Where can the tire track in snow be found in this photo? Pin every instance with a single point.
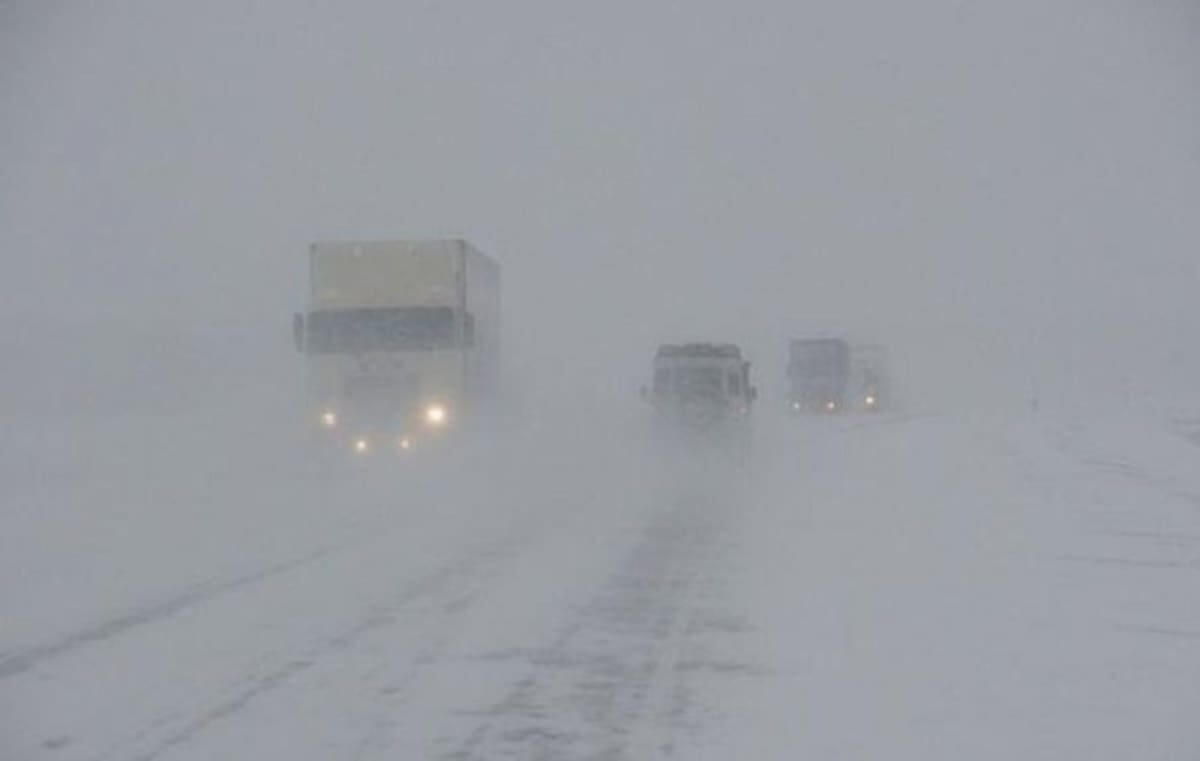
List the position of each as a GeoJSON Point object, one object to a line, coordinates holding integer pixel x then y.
{"type": "Point", "coordinates": [375, 741]}
{"type": "Point", "coordinates": [167, 734]}
{"type": "Point", "coordinates": [25, 660]}
{"type": "Point", "coordinates": [607, 685]}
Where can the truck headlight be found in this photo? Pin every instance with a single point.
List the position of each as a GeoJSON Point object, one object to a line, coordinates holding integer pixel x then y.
{"type": "Point", "coordinates": [870, 400]}
{"type": "Point", "coordinates": [404, 442]}
{"type": "Point", "coordinates": [831, 406]}
{"type": "Point", "coordinates": [361, 445]}
{"type": "Point", "coordinates": [329, 418]}
{"type": "Point", "coordinates": [435, 415]}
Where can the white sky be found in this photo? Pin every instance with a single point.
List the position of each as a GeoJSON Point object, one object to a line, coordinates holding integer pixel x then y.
{"type": "Point", "coordinates": [1001, 190]}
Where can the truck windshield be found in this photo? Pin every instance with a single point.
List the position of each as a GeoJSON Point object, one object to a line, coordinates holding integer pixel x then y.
{"type": "Point", "coordinates": [698, 381]}
{"type": "Point", "coordinates": [353, 331]}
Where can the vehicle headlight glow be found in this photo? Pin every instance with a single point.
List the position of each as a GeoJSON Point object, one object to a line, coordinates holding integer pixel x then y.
{"type": "Point", "coordinates": [405, 442]}
{"type": "Point", "coordinates": [795, 405]}
{"type": "Point", "coordinates": [329, 418]}
{"type": "Point", "coordinates": [870, 400]}
{"type": "Point", "coordinates": [361, 445]}
{"type": "Point", "coordinates": [435, 415]}
{"type": "Point", "coordinates": [831, 406]}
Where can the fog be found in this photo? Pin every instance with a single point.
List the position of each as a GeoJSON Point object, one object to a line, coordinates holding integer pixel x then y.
{"type": "Point", "coordinates": [1003, 194]}
{"type": "Point", "coordinates": [998, 192]}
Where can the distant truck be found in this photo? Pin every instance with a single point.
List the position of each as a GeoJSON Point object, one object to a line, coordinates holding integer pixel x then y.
{"type": "Point", "coordinates": [701, 386]}
{"type": "Point", "coordinates": [402, 340]}
{"type": "Point", "coordinates": [870, 382]}
{"type": "Point", "coordinates": [818, 373]}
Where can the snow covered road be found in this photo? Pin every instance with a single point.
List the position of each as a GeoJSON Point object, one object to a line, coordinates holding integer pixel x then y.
{"type": "Point", "coordinates": [919, 587]}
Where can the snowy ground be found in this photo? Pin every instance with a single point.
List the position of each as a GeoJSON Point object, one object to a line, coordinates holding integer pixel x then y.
{"type": "Point", "coordinates": [902, 587]}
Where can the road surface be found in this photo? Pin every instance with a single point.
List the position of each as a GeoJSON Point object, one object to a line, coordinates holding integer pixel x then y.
{"type": "Point", "coordinates": [924, 587]}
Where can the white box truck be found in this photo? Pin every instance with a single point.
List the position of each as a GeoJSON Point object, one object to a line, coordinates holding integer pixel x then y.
{"type": "Point", "coordinates": [401, 340]}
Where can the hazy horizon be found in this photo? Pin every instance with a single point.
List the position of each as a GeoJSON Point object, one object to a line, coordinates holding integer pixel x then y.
{"type": "Point", "coordinates": [1005, 194]}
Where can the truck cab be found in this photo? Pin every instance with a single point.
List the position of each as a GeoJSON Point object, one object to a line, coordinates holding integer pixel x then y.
{"type": "Point", "coordinates": [400, 340]}
{"type": "Point", "coordinates": [701, 386]}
